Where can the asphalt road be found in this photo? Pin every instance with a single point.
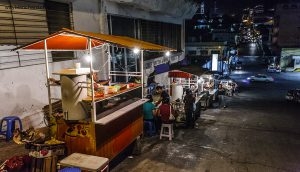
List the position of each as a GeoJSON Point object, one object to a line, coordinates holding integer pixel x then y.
{"type": "Point", "coordinates": [258, 132]}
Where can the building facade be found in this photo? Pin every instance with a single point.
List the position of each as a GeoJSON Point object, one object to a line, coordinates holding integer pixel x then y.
{"type": "Point", "coordinates": [286, 34]}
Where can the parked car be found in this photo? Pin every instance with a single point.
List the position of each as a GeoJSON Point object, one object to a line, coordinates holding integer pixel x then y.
{"type": "Point", "coordinates": [261, 78]}
{"type": "Point", "coordinates": [273, 68]}
{"type": "Point", "coordinates": [293, 95]}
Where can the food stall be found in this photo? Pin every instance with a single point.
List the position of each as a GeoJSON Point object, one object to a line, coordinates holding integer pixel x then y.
{"type": "Point", "coordinates": [179, 82]}
{"type": "Point", "coordinates": [105, 122]}
{"type": "Point", "coordinates": [208, 89]}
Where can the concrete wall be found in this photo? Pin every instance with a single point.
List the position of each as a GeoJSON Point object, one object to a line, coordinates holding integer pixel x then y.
{"type": "Point", "coordinates": [86, 15]}
{"type": "Point", "coordinates": [23, 91]}
{"type": "Point", "coordinates": [170, 11]}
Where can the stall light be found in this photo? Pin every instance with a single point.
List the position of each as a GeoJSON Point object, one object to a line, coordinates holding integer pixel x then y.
{"type": "Point", "coordinates": [87, 57]}
{"type": "Point", "coordinates": [136, 50]}
{"type": "Point", "coordinates": [200, 80]}
{"type": "Point", "coordinates": [167, 53]}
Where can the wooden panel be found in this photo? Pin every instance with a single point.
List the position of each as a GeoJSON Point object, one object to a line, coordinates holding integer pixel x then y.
{"type": "Point", "coordinates": [137, 127]}
{"type": "Point", "coordinates": [122, 140]}
{"type": "Point", "coordinates": [103, 140]}
{"type": "Point", "coordinates": [75, 141]}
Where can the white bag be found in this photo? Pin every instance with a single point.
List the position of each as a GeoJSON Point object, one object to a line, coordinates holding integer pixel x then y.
{"type": "Point", "coordinates": [171, 117]}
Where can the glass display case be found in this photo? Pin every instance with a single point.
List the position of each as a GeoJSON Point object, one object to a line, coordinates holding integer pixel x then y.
{"type": "Point", "coordinates": [108, 105]}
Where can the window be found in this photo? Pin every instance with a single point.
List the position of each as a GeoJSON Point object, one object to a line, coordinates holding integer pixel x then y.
{"type": "Point", "coordinates": [203, 52]}
{"type": "Point", "coordinates": [58, 17]}
{"type": "Point", "coordinates": [166, 34]}
{"type": "Point", "coordinates": [215, 52]}
{"type": "Point", "coordinates": [127, 28]}
{"type": "Point", "coordinates": [22, 21]}
{"type": "Point", "coordinates": [192, 52]}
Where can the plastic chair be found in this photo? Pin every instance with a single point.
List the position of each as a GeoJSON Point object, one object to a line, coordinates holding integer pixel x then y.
{"type": "Point", "coordinates": [10, 126]}
{"type": "Point", "coordinates": [150, 128]}
{"type": "Point", "coordinates": [169, 133]}
{"type": "Point", "coordinates": [70, 169]}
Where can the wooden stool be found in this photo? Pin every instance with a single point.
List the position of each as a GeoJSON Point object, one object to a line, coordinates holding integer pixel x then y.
{"type": "Point", "coordinates": [85, 162]}
{"type": "Point", "coordinates": [169, 133]}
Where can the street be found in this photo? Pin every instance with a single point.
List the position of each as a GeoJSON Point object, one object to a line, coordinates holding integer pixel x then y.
{"type": "Point", "coordinates": [258, 132]}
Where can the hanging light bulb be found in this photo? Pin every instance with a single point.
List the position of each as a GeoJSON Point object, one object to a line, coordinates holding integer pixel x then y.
{"type": "Point", "coordinates": [87, 57]}
{"type": "Point", "coordinates": [168, 53]}
{"type": "Point", "coordinates": [136, 50]}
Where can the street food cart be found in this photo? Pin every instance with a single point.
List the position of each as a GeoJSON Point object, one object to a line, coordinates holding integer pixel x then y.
{"type": "Point", "coordinates": [107, 121]}
{"type": "Point", "coordinates": [207, 89]}
{"type": "Point", "coordinates": [179, 82]}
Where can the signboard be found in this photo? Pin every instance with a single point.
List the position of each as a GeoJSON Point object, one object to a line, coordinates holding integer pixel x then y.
{"type": "Point", "coordinates": [214, 62]}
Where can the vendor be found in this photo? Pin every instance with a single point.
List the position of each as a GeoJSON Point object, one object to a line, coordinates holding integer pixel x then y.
{"type": "Point", "coordinates": [151, 79]}
{"type": "Point", "coordinates": [97, 82]}
{"type": "Point", "coordinates": [163, 94]}
{"type": "Point", "coordinates": [97, 85]}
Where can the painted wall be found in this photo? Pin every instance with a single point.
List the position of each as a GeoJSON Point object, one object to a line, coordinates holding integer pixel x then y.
{"type": "Point", "coordinates": [23, 90]}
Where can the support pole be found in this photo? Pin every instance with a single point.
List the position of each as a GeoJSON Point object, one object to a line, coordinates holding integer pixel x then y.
{"type": "Point", "coordinates": [142, 71]}
{"type": "Point", "coordinates": [48, 76]}
{"type": "Point", "coordinates": [109, 58]}
{"type": "Point", "coordinates": [93, 110]}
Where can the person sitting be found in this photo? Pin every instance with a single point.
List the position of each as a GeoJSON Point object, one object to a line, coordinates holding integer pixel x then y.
{"type": "Point", "coordinates": [149, 111]}
{"type": "Point", "coordinates": [165, 110]}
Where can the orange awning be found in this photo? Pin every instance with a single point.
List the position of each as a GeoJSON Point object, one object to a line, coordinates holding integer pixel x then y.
{"type": "Point", "coordinates": [70, 40]}
{"type": "Point", "coordinates": [179, 74]}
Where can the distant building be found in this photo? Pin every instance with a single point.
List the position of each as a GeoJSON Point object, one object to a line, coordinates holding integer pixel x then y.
{"type": "Point", "coordinates": [286, 31]}
{"type": "Point", "coordinates": [286, 35]}
{"type": "Point", "coordinates": [199, 50]}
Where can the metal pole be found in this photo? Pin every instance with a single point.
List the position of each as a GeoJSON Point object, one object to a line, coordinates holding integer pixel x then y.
{"type": "Point", "coordinates": [109, 63]}
{"type": "Point", "coordinates": [142, 71]}
{"type": "Point", "coordinates": [125, 65]}
{"type": "Point", "coordinates": [93, 110]}
{"type": "Point", "coordinates": [48, 76]}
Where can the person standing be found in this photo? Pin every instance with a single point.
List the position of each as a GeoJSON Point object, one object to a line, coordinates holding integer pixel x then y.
{"type": "Point", "coordinates": [189, 100]}
{"type": "Point", "coordinates": [221, 96]}
{"type": "Point", "coordinates": [163, 94]}
{"type": "Point", "coordinates": [151, 84]}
